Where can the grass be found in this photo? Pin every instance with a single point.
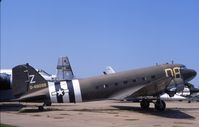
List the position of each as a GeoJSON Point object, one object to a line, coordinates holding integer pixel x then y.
{"type": "Point", "coordinates": [6, 125]}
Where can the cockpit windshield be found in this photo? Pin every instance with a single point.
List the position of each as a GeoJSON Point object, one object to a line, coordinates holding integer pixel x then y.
{"type": "Point", "coordinates": [183, 67]}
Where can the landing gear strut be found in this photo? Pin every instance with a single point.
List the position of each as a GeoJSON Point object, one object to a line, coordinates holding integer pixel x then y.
{"type": "Point", "coordinates": [41, 108]}
{"type": "Point", "coordinates": [145, 104]}
{"type": "Point", "coordinates": [160, 105]}
{"type": "Point", "coordinates": [47, 103]}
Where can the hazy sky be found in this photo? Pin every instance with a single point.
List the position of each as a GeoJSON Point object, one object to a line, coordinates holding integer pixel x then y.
{"type": "Point", "coordinates": [125, 34]}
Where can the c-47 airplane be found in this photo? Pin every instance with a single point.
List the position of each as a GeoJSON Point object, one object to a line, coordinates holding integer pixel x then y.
{"type": "Point", "coordinates": [29, 86]}
{"type": "Point", "coordinates": [190, 93]}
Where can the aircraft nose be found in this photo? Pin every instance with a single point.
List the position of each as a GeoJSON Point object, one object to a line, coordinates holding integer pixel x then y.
{"type": "Point", "coordinates": [189, 74]}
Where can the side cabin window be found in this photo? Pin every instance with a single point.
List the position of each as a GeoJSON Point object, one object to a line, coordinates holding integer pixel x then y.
{"type": "Point", "coordinates": [144, 78]}
{"type": "Point", "coordinates": [134, 80]}
{"type": "Point", "coordinates": [105, 86]}
{"type": "Point", "coordinates": [153, 77]}
{"type": "Point", "coordinates": [102, 86]}
{"type": "Point", "coordinates": [125, 82]}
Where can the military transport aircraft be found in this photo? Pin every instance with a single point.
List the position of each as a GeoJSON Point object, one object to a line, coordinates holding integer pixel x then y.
{"type": "Point", "coordinates": [190, 93]}
{"type": "Point", "coordinates": [29, 86]}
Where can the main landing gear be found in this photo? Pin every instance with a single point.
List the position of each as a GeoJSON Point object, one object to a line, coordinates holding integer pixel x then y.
{"type": "Point", "coordinates": [160, 105]}
{"type": "Point", "coordinates": [145, 104]}
{"type": "Point", "coordinates": [41, 108]}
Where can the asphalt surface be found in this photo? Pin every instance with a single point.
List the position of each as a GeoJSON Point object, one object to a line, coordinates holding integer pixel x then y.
{"type": "Point", "coordinates": [100, 114]}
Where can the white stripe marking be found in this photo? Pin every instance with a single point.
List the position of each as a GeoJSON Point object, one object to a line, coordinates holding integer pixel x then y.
{"type": "Point", "coordinates": [64, 86]}
{"type": "Point", "coordinates": [52, 92]}
{"type": "Point", "coordinates": [77, 91]}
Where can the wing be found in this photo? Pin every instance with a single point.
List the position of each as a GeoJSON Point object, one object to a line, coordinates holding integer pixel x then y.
{"type": "Point", "coordinates": [152, 88]}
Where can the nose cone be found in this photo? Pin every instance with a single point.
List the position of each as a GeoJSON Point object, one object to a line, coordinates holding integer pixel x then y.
{"type": "Point", "coordinates": [188, 74]}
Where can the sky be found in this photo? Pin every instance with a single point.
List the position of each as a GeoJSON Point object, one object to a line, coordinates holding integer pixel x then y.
{"type": "Point", "coordinates": [124, 34]}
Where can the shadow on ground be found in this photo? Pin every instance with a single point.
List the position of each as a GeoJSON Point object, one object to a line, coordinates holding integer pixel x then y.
{"type": "Point", "coordinates": [28, 108]}
{"type": "Point", "coordinates": [36, 110]}
{"type": "Point", "coordinates": [11, 107]}
{"type": "Point", "coordinates": [168, 113]}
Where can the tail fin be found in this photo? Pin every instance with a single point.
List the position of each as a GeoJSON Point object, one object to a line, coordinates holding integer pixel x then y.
{"type": "Point", "coordinates": [26, 80]}
{"type": "Point", "coordinates": [109, 70]}
{"type": "Point", "coordinates": [64, 70]}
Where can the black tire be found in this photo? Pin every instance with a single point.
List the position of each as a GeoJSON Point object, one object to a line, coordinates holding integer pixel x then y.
{"type": "Point", "coordinates": [144, 104]}
{"type": "Point", "coordinates": [48, 104]}
{"type": "Point", "coordinates": [41, 108]}
{"type": "Point", "coordinates": [160, 105]}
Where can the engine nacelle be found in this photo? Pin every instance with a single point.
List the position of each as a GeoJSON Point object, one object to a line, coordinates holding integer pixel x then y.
{"type": "Point", "coordinates": [5, 81]}
{"type": "Point", "coordinates": [176, 85]}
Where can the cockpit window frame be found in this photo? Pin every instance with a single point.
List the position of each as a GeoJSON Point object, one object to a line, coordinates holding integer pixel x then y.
{"type": "Point", "coordinates": [183, 67]}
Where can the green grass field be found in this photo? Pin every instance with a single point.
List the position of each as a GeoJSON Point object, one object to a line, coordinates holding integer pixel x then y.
{"type": "Point", "coordinates": [6, 125]}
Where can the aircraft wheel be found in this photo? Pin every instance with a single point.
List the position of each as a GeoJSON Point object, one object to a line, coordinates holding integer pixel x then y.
{"type": "Point", "coordinates": [160, 105]}
{"type": "Point", "coordinates": [48, 104]}
{"type": "Point", "coordinates": [41, 108]}
{"type": "Point", "coordinates": [144, 104]}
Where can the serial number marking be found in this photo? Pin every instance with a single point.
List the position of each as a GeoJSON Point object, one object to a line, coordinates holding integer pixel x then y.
{"type": "Point", "coordinates": [38, 86]}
